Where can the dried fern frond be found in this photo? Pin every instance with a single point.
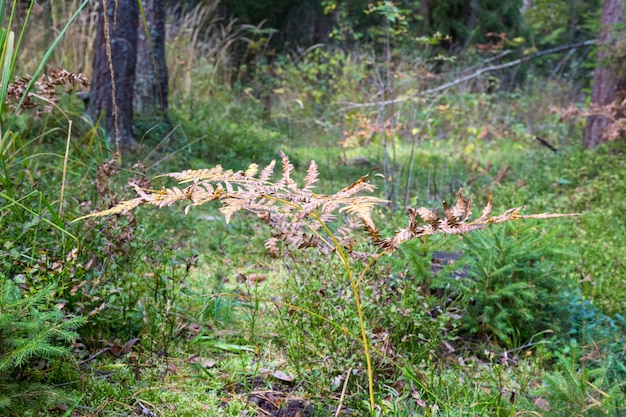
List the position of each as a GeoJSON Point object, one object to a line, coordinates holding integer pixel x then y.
{"type": "Point", "coordinates": [122, 208]}
{"type": "Point", "coordinates": [312, 175]}
{"type": "Point", "coordinates": [297, 216]}
{"type": "Point", "coordinates": [455, 222]}
{"type": "Point", "coordinates": [267, 172]}
{"type": "Point", "coordinates": [613, 113]}
{"type": "Point", "coordinates": [45, 91]}
{"type": "Point", "coordinates": [285, 180]}
{"type": "Point", "coordinates": [361, 207]}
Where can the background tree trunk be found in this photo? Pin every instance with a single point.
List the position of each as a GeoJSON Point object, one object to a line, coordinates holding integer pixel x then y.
{"type": "Point", "coordinates": [115, 100]}
{"type": "Point", "coordinates": [608, 74]}
{"type": "Point", "coordinates": [151, 81]}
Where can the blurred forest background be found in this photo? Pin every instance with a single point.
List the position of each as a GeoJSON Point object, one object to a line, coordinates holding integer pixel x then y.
{"type": "Point", "coordinates": [171, 313]}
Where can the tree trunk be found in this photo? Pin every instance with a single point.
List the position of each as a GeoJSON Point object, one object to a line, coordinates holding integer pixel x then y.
{"type": "Point", "coordinates": [151, 82]}
{"type": "Point", "coordinates": [115, 58]}
{"type": "Point", "coordinates": [607, 76]}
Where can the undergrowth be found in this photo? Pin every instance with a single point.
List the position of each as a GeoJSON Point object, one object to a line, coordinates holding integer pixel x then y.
{"type": "Point", "coordinates": [187, 315]}
{"type": "Point", "coordinates": [300, 218]}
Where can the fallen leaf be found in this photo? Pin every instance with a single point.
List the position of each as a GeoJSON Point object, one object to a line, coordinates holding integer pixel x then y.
{"type": "Point", "coordinates": [280, 375]}
{"type": "Point", "coordinates": [204, 362]}
{"type": "Point", "coordinates": [256, 278]}
{"type": "Point", "coordinates": [542, 404]}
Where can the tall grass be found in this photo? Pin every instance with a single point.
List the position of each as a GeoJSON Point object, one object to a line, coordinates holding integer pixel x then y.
{"type": "Point", "coordinates": [10, 51]}
{"type": "Point", "coordinates": [201, 50]}
{"type": "Point", "coordinates": [33, 327]}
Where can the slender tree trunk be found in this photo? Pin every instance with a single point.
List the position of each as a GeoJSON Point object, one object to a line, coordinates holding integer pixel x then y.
{"type": "Point", "coordinates": [607, 76]}
{"type": "Point", "coordinates": [115, 58]}
{"type": "Point", "coordinates": [151, 81]}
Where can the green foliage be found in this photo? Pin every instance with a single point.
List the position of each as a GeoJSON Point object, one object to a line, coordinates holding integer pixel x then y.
{"type": "Point", "coordinates": [355, 23]}
{"type": "Point", "coordinates": [593, 183]}
{"type": "Point", "coordinates": [574, 388]}
{"type": "Point", "coordinates": [604, 336]}
{"type": "Point", "coordinates": [274, 13]}
{"type": "Point", "coordinates": [468, 22]}
{"type": "Point", "coordinates": [112, 389]}
{"type": "Point", "coordinates": [558, 22]}
{"type": "Point", "coordinates": [320, 73]}
{"type": "Point", "coordinates": [300, 86]}
{"type": "Point", "coordinates": [149, 303]}
{"type": "Point", "coordinates": [413, 316]}
{"type": "Point", "coordinates": [513, 288]}
{"type": "Point", "coordinates": [31, 327]}
{"type": "Point", "coordinates": [33, 323]}
{"type": "Point", "coordinates": [228, 133]}
{"type": "Point", "coordinates": [318, 308]}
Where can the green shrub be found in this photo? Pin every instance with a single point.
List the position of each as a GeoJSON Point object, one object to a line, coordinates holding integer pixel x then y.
{"type": "Point", "coordinates": [229, 134]}
{"type": "Point", "coordinates": [514, 285]}
{"type": "Point", "coordinates": [574, 388]}
{"type": "Point", "coordinates": [30, 328]}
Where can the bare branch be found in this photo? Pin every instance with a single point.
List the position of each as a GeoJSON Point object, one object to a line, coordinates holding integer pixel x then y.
{"type": "Point", "coordinates": [471, 76]}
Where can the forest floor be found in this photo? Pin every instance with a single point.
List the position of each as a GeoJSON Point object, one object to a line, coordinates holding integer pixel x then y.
{"type": "Point", "coordinates": [189, 315]}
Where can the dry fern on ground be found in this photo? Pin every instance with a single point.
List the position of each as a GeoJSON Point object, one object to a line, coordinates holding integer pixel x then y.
{"type": "Point", "coordinates": [298, 216]}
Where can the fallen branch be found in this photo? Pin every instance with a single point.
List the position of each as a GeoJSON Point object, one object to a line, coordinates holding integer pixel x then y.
{"type": "Point", "coordinates": [546, 144]}
{"type": "Point", "coordinates": [471, 76]}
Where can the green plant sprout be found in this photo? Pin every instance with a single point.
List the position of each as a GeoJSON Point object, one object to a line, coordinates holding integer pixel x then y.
{"type": "Point", "coordinates": [300, 218]}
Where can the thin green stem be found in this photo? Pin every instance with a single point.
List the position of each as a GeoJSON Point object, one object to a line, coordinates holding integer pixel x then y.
{"type": "Point", "coordinates": [359, 310]}
{"type": "Point", "coordinates": [355, 290]}
{"type": "Point", "coordinates": [371, 262]}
